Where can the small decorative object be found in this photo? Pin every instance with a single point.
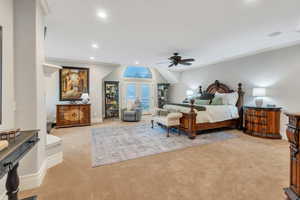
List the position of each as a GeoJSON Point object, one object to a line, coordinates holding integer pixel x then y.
{"type": "Point", "coordinates": [259, 93]}
{"type": "Point", "coordinates": [189, 93]}
{"type": "Point", "coordinates": [9, 134]}
{"type": "Point", "coordinates": [271, 105]}
{"type": "Point", "coordinates": [73, 83]}
{"type": "Point", "coordinates": [85, 98]}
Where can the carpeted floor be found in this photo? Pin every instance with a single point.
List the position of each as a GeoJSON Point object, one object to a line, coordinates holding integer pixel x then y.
{"type": "Point", "coordinates": [241, 168]}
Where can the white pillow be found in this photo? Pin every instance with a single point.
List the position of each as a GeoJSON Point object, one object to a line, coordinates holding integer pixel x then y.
{"type": "Point", "coordinates": [129, 105]}
{"type": "Point", "coordinates": [228, 98]}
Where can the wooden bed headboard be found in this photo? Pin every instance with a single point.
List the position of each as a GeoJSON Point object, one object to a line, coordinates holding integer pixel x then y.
{"type": "Point", "coordinates": [222, 88]}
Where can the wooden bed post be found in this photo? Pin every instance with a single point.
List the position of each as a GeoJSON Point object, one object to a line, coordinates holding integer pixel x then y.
{"type": "Point", "coordinates": [240, 105]}
{"type": "Point", "coordinates": [192, 129]}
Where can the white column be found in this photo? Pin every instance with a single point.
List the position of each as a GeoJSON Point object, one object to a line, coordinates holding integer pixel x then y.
{"type": "Point", "coordinates": [30, 81]}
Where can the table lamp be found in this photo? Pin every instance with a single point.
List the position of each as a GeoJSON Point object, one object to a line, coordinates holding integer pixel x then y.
{"type": "Point", "coordinates": [85, 98]}
{"type": "Point", "coordinates": [259, 93]}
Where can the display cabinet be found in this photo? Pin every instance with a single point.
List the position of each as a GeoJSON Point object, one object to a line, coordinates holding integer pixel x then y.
{"type": "Point", "coordinates": [162, 94]}
{"type": "Point", "coordinates": [111, 90]}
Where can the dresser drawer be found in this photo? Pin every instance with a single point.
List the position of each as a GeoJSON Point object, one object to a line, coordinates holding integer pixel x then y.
{"type": "Point", "coordinates": [264, 122]}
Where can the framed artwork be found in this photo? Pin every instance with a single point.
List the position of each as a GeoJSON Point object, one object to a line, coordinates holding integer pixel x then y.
{"type": "Point", "coordinates": [73, 81]}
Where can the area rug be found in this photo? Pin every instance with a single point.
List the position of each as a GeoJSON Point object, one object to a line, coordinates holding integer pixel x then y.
{"type": "Point", "coordinates": [115, 144]}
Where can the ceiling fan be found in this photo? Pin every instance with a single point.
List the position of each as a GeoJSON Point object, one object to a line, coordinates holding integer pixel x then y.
{"type": "Point", "coordinates": [176, 59]}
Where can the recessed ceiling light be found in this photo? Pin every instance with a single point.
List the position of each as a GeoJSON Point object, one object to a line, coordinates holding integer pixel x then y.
{"type": "Point", "coordinates": [274, 34]}
{"type": "Point", "coordinates": [92, 58]}
{"type": "Point", "coordinates": [95, 46]}
{"type": "Point", "coordinates": [102, 14]}
{"type": "Point", "coordinates": [250, 1]}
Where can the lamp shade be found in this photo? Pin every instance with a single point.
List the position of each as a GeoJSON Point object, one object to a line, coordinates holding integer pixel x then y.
{"type": "Point", "coordinates": [259, 92]}
{"type": "Point", "coordinates": [189, 93]}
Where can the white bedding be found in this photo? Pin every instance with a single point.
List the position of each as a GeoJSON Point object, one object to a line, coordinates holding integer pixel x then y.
{"type": "Point", "coordinates": [217, 113]}
{"type": "Point", "coordinates": [213, 113]}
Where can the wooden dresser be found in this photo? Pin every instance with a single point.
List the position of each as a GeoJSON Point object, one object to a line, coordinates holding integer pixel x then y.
{"type": "Point", "coordinates": [262, 121]}
{"type": "Point", "coordinates": [292, 132]}
{"type": "Point", "coordinates": [68, 115]}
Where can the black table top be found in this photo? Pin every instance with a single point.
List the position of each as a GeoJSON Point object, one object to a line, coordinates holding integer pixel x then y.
{"type": "Point", "coordinates": [263, 108]}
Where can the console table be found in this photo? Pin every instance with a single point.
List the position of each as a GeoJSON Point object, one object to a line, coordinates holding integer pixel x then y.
{"type": "Point", "coordinates": [9, 161]}
{"type": "Point", "coordinates": [68, 115]}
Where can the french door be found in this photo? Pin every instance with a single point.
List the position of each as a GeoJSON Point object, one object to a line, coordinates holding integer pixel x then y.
{"type": "Point", "coordinates": [142, 91]}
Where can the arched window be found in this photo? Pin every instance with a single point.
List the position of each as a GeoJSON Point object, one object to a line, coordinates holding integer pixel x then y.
{"type": "Point", "coordinates": [137, 72]}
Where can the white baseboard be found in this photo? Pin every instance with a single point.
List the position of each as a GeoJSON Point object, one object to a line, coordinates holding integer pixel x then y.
{"type": "Point", "coordinates": [31, 181]}
{"type": "Point", "coordinates": [97, 120]}
{"type": "Point", "coordinates": [4, 196]}
{"type": "Point", "coordinates": [54, 159]}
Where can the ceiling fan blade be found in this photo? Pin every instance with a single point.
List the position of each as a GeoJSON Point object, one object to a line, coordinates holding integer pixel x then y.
{"type": "Point", "coordinates": [188, 60]}
{"type": "Point", "coordinates": [185, 63]}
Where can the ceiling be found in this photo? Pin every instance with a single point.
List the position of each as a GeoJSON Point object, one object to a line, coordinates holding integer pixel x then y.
{"type": "Point", "coordinates": [149, 31]}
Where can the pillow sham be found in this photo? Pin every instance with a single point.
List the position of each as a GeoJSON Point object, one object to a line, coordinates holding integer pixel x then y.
{"type": "Point", "coordinates": [163, 113]}
{"type": "Point", "coordinates": [217, 101]}
{"type": "Point", "coordinates": [228, 98]}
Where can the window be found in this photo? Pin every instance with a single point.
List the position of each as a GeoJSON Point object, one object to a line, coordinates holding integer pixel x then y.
{"type": "Point", "coordinates": [137, 72]}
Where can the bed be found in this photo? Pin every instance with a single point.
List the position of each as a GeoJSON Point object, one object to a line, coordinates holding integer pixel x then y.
{"type": "Point", "coordinates": [211, 116]}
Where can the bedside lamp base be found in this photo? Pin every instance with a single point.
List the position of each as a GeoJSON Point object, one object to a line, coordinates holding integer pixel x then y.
{"type": "Point", "coordinates": [259, 102]}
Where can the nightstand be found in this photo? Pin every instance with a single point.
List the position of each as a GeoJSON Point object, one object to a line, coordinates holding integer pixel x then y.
{"type": "Point", "coordinates": [262, 121]}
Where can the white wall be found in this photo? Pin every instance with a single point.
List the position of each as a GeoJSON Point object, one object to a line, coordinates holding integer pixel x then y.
{"type": "Point", "coordinates": [277, 70]}
{"type": "Point", "coordinates": [97, 73]}
{"type": "Point", "coordinates": [8, 100]}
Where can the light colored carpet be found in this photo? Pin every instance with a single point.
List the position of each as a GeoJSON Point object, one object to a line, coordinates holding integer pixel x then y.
{"type": "Point", "coordinates": [242, 168]}
{"type": "Point", "coordinates": [115, 144]}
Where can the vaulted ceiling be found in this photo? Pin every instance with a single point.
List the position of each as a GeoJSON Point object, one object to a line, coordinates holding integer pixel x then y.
{"type": "Point", "coordinates": [146, 32]}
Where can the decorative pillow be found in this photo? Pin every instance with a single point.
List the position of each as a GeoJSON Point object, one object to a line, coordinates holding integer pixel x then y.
{"type": "Point", "coordinates": [228, 98]}
{"type": "Point", "coordinates": [163, 113]}
{"type": "Point", "coordinates": [129, 105]}
{"type": "Point", "coordinates": [217, 101]}
{"type": "Point", "coordinates": [201, 102]}
{"type": "Point", "coordinates": [206, 96]}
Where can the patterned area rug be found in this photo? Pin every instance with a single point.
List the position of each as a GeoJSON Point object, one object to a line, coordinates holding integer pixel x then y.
{"type": "Point", "coordinates": [115, 144]}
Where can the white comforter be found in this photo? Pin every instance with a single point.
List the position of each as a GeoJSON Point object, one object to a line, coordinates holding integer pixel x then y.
{"type": "Point", "coordinates": [213, 113]}
{"type": "Point", "coordinates": [217, 113]}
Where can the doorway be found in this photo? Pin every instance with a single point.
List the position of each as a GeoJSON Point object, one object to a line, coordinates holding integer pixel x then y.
{"type": "Point", "coordinates": [142, 91]}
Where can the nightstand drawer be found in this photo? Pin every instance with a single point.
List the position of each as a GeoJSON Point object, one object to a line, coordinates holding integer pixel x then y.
{"type": "Point", "coordinates": [263, 122]}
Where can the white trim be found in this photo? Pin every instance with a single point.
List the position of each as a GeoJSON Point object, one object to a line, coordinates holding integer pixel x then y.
{"type": "Point", "coordinates": [45, 6]}
{"type": "Point", "coordinates": [4, 196]}
{"type": "Point", "coordinates": [67, 61]}
{"type": "Point", "coordinates": [34, 180]}
{"type": "Point", "coordinates": [97, 120]}
{"type": "Point", "coordinates": [49, 69]}
{"type": "Point", "coordinates": [55, 159]}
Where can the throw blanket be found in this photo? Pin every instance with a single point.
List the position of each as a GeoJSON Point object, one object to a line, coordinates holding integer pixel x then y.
{"type": "Point", "coordinates": [185, 108]}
